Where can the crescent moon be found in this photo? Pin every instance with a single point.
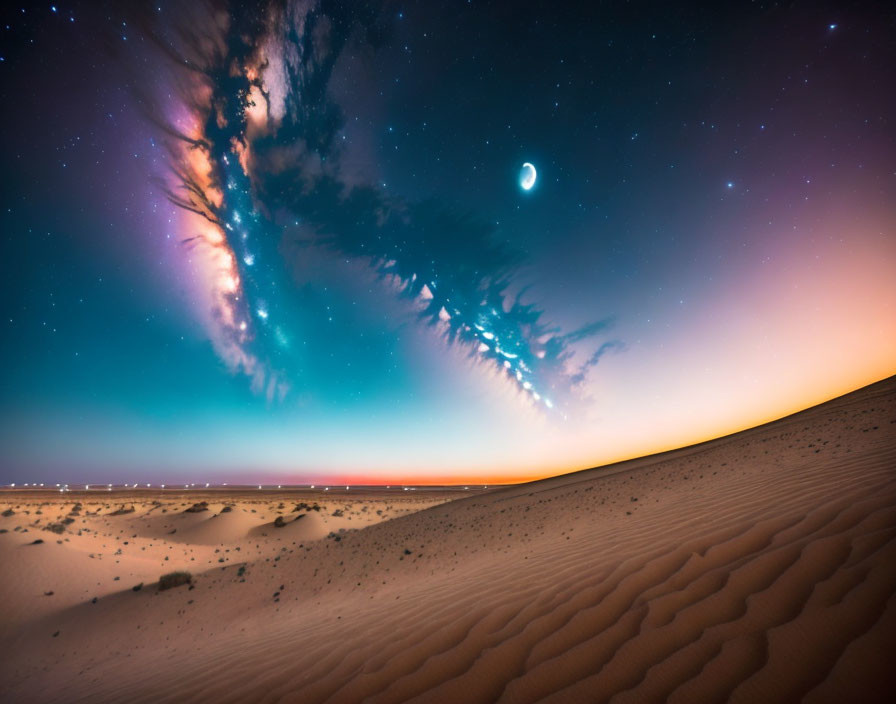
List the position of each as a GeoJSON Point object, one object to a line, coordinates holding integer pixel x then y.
{"type": "Point", "coordinates": [527, 176]}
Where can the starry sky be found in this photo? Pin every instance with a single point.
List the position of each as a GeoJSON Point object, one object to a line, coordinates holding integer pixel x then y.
{"type": "Point", "coordinates": [289, 241]}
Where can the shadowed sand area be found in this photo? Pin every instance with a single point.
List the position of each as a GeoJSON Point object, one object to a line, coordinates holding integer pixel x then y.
{"type": "Point", "coordinates": [760, 567]}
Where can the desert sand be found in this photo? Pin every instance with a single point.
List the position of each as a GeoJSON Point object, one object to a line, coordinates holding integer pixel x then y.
{"type": "Point", "coordinates": [759, 567]}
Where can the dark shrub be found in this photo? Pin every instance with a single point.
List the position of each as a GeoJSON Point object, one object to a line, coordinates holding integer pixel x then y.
{"type": "Point", "coordinates": [174, 579]}
{"type": "Point", "coordinates": [302, 506]}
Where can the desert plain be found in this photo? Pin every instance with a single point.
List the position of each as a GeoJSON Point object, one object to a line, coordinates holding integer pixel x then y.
{"type": "Point", "coordinates": [758, 567]}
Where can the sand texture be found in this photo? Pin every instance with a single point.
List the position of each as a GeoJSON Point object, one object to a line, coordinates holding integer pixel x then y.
{"type": "Point", "coordinates": [760, 567]}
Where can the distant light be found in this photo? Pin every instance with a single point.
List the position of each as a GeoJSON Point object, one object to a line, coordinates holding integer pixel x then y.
{"type": "Point", "coordinates": [346, 488]}
{"type": "Point", "coordinates": [832, 26]}
{"type": "Point", "coordinates": [730, 184]}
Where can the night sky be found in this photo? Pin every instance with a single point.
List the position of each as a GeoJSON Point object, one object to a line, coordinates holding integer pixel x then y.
{"type": "Point", "coordinates": [291, 242]}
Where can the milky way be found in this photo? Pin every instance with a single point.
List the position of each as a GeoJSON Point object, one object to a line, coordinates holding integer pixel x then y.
{"type": "Point", "coordinates": [256, 154]}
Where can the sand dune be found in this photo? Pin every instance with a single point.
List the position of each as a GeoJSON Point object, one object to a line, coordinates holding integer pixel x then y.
{"type": "Point", "coordinates": [755, 568]}
{"type": "Point", "coordinates": [217, 529]}
{"type": "Point", "coordinates": [303, 526]}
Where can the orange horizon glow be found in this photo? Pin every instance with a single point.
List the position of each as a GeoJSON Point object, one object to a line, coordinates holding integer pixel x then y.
{"type": "Point", "coordinates": [509, 478]}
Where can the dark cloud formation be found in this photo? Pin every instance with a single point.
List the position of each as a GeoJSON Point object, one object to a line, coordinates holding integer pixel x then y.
{"type": "Point", "coordinates": [611, 346]}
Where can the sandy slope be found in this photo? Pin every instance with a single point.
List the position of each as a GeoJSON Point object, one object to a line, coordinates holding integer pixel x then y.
{"type": "Point", "coordinates": [756, 568]}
